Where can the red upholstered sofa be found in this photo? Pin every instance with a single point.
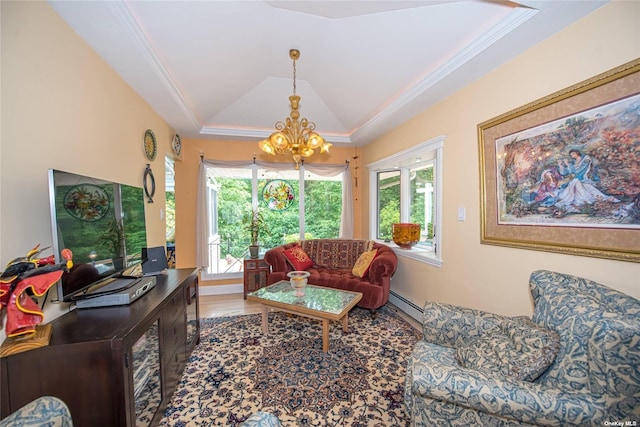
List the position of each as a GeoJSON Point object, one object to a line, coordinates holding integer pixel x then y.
{"type": "Point", "coordinates": [333, 260]}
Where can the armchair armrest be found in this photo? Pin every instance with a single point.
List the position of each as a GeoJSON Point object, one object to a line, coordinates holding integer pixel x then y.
{"type": "Point", "coordinates": [45, 410]}
{"type": "Point", "coordinates": [437, 376]}
{"type": "Point", "coordinates": [450, 325]}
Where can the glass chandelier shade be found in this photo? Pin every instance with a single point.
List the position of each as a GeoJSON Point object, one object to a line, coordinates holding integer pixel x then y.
{"type": "Point", "coordinates": [294, 136]}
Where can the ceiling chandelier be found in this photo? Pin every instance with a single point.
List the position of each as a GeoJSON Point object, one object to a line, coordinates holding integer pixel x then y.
{"type": "Point", "coordinates": [294, 136]}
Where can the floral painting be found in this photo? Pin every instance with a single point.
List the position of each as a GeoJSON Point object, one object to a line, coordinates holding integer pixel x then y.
{"type": "Point", "coordinates": [87, 202]}
{"type": "Point", "coordinates": [278, 195]}
{"type": "Point", "coordinates": [577, 171]}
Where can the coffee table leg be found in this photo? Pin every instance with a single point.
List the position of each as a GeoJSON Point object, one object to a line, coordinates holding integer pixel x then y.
{"type": "Point", "coordinates": [325, 335]}
{"type": "Point", "coordinates": [265, 320]}
{"type": "Point", "coordinates": [345, 323]}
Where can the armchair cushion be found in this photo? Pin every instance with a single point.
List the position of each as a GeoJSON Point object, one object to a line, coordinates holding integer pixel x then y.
{"type": "Point", "coordinates": [439, 392]}
{"type": "Point", "coordinates": [516, 348]}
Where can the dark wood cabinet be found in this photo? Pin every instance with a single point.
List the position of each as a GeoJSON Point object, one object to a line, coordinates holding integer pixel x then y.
{"type": "Point", "coordinates": [256, 273]}
{"type": "Point", "coordinates": [113, 366]}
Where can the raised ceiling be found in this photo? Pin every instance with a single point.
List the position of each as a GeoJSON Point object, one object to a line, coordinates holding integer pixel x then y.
{"type": "Point", "coordinates": [221, 69]}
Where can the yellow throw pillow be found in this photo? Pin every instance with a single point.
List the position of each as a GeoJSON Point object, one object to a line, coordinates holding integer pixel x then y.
{"type": "Point", "coordinates": [361, 267]}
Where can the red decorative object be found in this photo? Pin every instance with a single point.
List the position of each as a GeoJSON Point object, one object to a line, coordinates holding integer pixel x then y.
{"type": "Point", "coordinates": [406, 234]}
{"type": "Point", "coordinates": [23, 314]}
{"type": "Point", "coordinates": [298, 258]}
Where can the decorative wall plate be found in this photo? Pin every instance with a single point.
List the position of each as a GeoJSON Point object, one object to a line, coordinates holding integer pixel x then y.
{"type": "Point", "coordinates": [177, 144]}
{"type": "Point", "coordinates": [150, 145]}
{"type": "Point", "coordinates": [278, 195]}
{"type": "Point", "coordinates": [86, 202]}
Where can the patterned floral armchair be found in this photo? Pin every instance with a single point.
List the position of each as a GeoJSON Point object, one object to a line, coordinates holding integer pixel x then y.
{"type": "Point", "coordinates": [44, 411]}
{"type": "Point", "coordinates": [593, 381]}
{"type": "Point", "coordinates": [262, 419]}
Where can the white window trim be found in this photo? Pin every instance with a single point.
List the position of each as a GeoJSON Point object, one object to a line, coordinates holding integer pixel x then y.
{"type": "Point", "coordinates": [404, 159]}
{"type": "Point", "coordinates": [346, 221]}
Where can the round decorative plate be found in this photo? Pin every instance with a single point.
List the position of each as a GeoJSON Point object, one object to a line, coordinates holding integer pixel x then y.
{"type": "Point", "coordinates": [150, 145]}
{"type": "Point", "coordinates": [86, 202]}
{"type": "Point", "coordinates": [278, 195]}
{"type": "Point", "coordinates": [177, 144]}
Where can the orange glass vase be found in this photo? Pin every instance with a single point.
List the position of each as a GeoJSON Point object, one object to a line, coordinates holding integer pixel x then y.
{"type": "Point", "coordinates": [406, 234]}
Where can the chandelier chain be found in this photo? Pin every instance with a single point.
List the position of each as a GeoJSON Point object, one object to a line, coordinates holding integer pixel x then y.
{"type": "Point", "coordinates": [294, 76]}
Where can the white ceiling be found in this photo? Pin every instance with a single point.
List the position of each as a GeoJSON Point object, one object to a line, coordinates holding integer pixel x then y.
{"type": "Point", "coordinates": [221, 69]}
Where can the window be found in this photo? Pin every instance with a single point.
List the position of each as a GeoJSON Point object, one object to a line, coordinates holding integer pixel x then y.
{"type": "Point", "coordinates": [388, 202]}
{"type": "Point", "coordinates": [322, 206]}
{"type": "Point", "coordinates": [170, 209]}
{"type": "Point", "coordinates": [406, 187]}
{"type": "Point", "coordinates": [229, 196]}
{"type": "Point", "coordinates": [296, 204]}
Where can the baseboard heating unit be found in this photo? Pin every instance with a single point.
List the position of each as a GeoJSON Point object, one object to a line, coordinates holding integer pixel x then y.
{"type": "Point", "coordinates": [406, 305]}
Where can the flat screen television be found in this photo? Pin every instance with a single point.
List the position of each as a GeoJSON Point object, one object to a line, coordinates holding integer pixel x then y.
{"type": "Point", "coordinates": [86, 215]}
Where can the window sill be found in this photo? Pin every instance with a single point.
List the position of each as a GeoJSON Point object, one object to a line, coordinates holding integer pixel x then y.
{"type": "Point", "coordinates": [425, 256]}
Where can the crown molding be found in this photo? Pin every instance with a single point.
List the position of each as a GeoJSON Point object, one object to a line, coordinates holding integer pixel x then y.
{"type": "Point", "coordinates": [515, 18]}
{"type": "Point", "coordinates": [126, 20]}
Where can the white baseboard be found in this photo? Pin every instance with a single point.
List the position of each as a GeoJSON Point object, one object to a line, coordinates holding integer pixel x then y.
{"type": "Point", "coordinates": [221, 289]}
{"type": "Point", "coordinates": [406, 305]}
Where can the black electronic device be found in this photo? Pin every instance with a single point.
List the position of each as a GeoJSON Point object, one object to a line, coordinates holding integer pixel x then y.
{"type": "Point", "coordinates": [154, 260]}
{"type": "Point", "coordinates": [102, 222]}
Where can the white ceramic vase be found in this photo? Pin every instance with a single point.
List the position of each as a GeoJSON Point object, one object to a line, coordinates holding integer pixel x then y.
{"type": "Point", "coordinates": [298, 281]}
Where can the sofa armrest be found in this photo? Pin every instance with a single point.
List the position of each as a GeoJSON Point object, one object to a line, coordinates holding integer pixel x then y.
{"type": "Point", "coordinates": [450, 325]}
{"type": "Point", "coordinates": [277, 260]}
{"type": "Point", "coordinates": [436, 375]}
{"type": "Point", "coordinates": [383, 265]}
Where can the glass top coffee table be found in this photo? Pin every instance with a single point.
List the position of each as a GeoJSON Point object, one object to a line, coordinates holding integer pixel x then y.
{"type": "Point", "coordinates": [317, 303]}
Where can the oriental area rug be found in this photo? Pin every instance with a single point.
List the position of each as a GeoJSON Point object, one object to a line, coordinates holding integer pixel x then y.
{"type": "Point", "coordinates": [236, 371]}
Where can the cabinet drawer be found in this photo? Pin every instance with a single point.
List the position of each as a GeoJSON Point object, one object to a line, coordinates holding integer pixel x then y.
{"type": "Point", "coordinates": [174, 308]}
{"type": "Point", "coordinates": [174, 336]}
{"type": "Point", "coordinates": [255, 264]}
{"type": "Point", "coordinates": [174, 366]}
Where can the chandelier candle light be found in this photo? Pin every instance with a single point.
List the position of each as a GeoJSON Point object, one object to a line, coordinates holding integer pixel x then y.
{"type": "Point", "coordinates": [294, 136]}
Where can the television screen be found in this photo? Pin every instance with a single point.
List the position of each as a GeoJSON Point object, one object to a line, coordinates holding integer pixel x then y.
{"type": "Point", "coordinates": [101, 222]}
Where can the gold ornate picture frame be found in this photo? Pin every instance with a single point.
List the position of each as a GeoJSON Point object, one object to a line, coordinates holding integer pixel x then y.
{"type": "Point", "coordinates": [562, 174]}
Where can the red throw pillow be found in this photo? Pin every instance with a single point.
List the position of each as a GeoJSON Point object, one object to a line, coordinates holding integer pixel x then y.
{"type": "Point", "coordinates": [298, 258]}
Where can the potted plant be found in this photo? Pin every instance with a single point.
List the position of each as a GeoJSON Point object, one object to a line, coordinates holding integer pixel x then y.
{"type": "Point", "coordinates": [113, 241]}
{"type": "Point", "coordinates": [256, 225]}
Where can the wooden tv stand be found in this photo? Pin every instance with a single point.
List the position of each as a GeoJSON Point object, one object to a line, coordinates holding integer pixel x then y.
{"type": "Point", "coordinates": [113, 366]}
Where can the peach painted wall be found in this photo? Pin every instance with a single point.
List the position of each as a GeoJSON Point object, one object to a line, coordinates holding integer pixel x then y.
{"type": "Point", "coordinates": [186, 171]}
{"type": "Point", "coordinates": [63, 107]}
{"type": "Point", "coordinates": [491, 277]}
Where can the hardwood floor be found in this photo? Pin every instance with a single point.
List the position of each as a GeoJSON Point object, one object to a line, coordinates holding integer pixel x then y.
{"type": "Point", "coordinates": [226, 305]}
{"type": "Point", "coordinates": [235, 304]}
